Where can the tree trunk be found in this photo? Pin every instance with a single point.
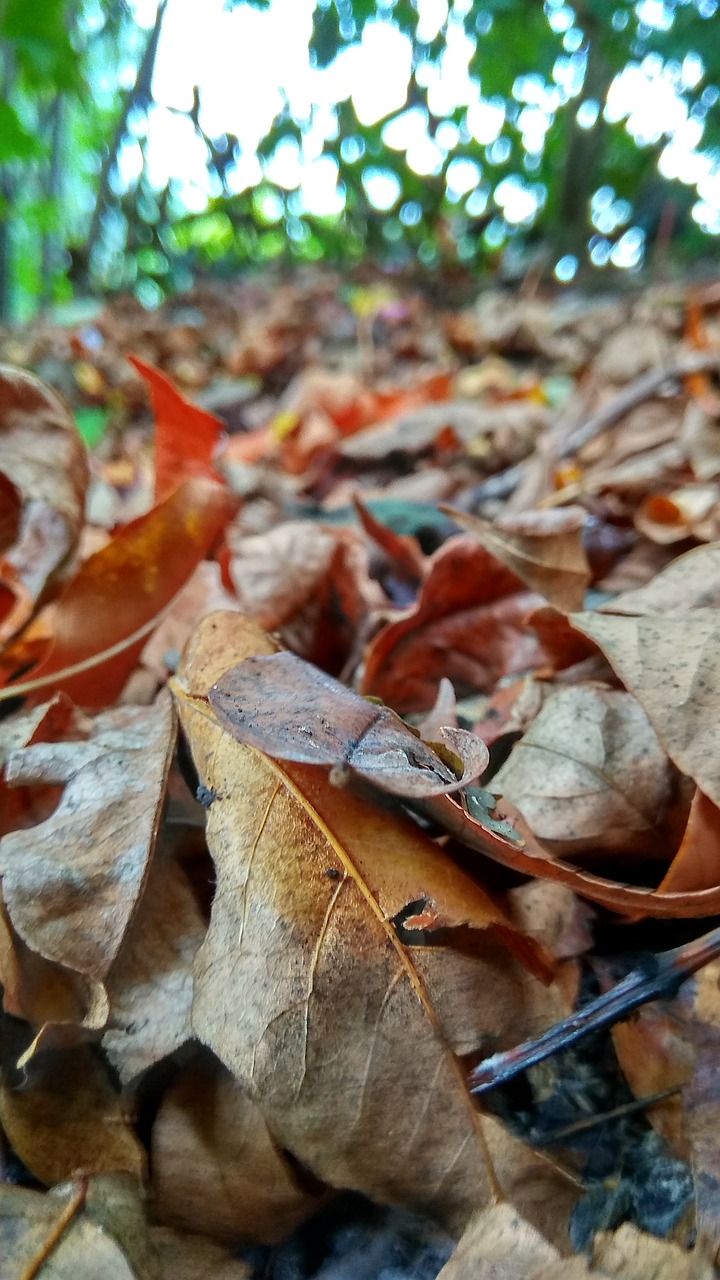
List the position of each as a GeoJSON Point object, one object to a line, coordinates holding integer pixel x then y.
{"type": "Point", "coordinates": [138, 96]}
{"type": "Point", "coordinates": [586, 147]}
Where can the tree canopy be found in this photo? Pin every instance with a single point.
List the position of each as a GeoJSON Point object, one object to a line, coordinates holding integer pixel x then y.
{"type": "Point", "coordinates": [530, 155]}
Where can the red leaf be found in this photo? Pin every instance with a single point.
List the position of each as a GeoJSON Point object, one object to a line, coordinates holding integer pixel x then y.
{"type": "Point", "coordinates": [186, 437]}
{"type": "Point", "coordinates": [118, 593]}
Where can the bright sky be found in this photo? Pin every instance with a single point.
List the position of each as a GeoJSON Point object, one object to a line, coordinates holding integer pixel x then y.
{"type": "Point", "coordinates": [241, 58]}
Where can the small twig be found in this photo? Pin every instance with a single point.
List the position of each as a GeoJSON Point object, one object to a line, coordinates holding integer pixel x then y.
{"type": "Point", "coordinates": [59, 1227]}
{"type": "Point", "coordinates": [638, 391]}
{"type": "Point", "coordinates": [659, 977]}
{"type": "Point", "coordinates": [591, 1122]}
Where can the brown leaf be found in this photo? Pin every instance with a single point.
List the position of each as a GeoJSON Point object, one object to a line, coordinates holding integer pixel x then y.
{"type": "Point", "coordinates": [416, 432]}
{"type": "Point", "coordinates": [341, 1039]}
{"type": "Point", "coordinates": [62, 1115]}
{"type": "Point", "coordinates": [189, 1257]}
{"type": "Point", "coordinates": [544, 548]}
{"type": "Point", "coordinates": [123, 588]}
{"type": "Point", "coordinates": [500, 1245]}
{"type": "Point", "coordinates": [692, 581]}
{"type": "Point", "coordinates": [71, 893]}
{"type": "Point", "coordinates": [45, 459]}
{"type": "Point", "coordinates": [215, 1167]}
{"type": "Point", "coordinates": [590, 774]}
{"type": "Point", "coordinates": [467, 625]}
{"type": "Point", "coordinates": [80, 1230]}
{"type": "Point", "coordinates": [308, 580]}
{"type": "Point", "coordinates": [671, 664]}
{"type": "Point", "coordinates": [696, 864]}
{"type": "Point", "coordinates": [150, 986]}
{"type": "Point", "coordinates": [291, 711]}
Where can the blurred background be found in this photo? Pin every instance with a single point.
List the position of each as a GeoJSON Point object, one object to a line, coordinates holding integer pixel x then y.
{"type": "Point", "coordinates": [144, 145]}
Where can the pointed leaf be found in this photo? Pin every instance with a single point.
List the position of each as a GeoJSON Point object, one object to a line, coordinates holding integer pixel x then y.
{"type": "Point", "coordinates": [186, 437]}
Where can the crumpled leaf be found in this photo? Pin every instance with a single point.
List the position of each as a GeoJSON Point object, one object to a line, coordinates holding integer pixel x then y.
{"type": "Point", "coordinates": [671, 663]}
{"type": "Point", "coordinates": [500, 1245]}
{"type": "Point", "coordinates": [467, 625]}
{"type": "Point", "coordinates": [309, 581]}
{"type": "Point", "coordinates": [544, 548]}
{"type": "Point", "coordinates": [186, 436]}
{"type": "Point", "coordinates": [590, 774]}
{"type": "Point", "coordinates": [291, 711]}
{"type": "Point", "coordinates": [80, 1230]}
{"type": "Point", "coordinates": [45, 460]}
{"type": "Point", "coordinates": [114, 600]}
{"type": "Point", "coordinates": [342, 1041]}
{"type": "Point", "coordinates": [215, 1167]}
{"type": "Point", "coordinates": [62, 1114]}
{"type": "Point", "coordinates": [70, 890]}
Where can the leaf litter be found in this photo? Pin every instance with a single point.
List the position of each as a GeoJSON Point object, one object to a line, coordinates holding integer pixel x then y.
{"type": "Point", "coordinates": [469, 781]}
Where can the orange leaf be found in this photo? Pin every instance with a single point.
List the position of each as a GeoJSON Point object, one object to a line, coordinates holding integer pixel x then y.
{"type": "Point", "coordinates": [112, 603]}
{"type": "Point", "coordinates": [186, 436]}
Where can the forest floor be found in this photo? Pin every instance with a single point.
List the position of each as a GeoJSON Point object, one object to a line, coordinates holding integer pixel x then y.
{"type": "Point", "coordinates": [259, 936]}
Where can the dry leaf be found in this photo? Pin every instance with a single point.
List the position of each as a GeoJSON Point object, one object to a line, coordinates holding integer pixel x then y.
{"type": "Point", "coordinates": [150, 985]}
{"type": "Point", "coordinates": [71, 893]}
{"type": "Point", "coordinates": [341, 1040]}
{"type": "Point", "coordinates": [671, 663]}
{"type": "Point", "coordinates": [62, 1115]}
{"type": "Point", "coordinates": [186, 437]}
{"type": "Point", "coordinates": [589, 774]}
{"type": "Point", "coordinates": [215, 1167]}
{"type": "Point", "coordinates": [190, 1257]}
{"type": "Point", "coordinates": [291, 711]}
{"type": "Point", "coordinates": [692, 581]}
{"type": "Point", "coordinates": [81, 1230]}
{"type": "Point", "coordinates": [124, 587]}
{"type": "Point", "coordinates": [467, 626]}
{"type": "Point", "coordinates": [544, 548]}
{"type": "Point", "coordinates": [45, 460]}
{"type": "Point", "coordinates": [416, 432]}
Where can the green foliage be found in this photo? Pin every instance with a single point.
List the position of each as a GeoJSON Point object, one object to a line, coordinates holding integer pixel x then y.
{"type": "Point", "coordinates": [64, 119]}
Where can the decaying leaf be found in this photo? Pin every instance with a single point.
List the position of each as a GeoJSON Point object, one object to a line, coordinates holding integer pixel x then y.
{"type": "Point", "coordinates": [671, 663]}
{"type": "Point", "coordinates": [500, 1245]}
{"type": "Point", "coordinates": [692, 581]}
{"type": "Point", "coordinates": [107, 610]}
{"type": "Point", "coordinates": [544, 548]}
{"type": "Point", "coordinates": [80, 1230]}
{"type": "Point", "coordinates": [589, 773]}
{"type": "Point", "coordinates": [62, 1115]}
{"type": "Point", "coordinates": [45, 460]}
{"type": "Point", "coordinates": [467, 625]}
{"type": "Point", "coordinates": [150, 988]}
{"type": "Point", "coordinates": [342, 1040]}
{"type": "Point", "coordinates": [291, 711]}
{"type": "Point", "coordinates": [71, 887]}
{"type": "Point", "coordinates": [215, 1167]}
{"type": "Point", "coordinates": [190, 1257]}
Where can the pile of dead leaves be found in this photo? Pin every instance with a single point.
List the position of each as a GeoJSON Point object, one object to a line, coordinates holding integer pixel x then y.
{"type": "Point", "coordinates": [256, 928]}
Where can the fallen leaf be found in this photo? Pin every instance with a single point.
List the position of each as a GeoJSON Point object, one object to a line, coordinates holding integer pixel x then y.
{"type": "Point", "coordinates": [45, 460]}
{"type": "Point", "coordinates": [71, 893]}
{"type": "Point", "coordinates": [671, 663]}
{"type": "Point", "coordinates": [150, 987]}
{"type": "Point", "coordinates": [215, 1166]}
{"type": "Point", "coordinates": [467, 625]}
{"type": "Point", "coordinates": [123, 589]}
{"type": "Point", "coordinates": [186, 437]}
{"type": "Point", "coordinates": [544, 548]}
{"type": "Point", "coordinates": [341, 1041]}
{"type": "Point", "coordinates": [416, 432]}
{"type": "Point", "coordinates": [590, 774]}
{"type": "Point", "coordinates": [202, 594]}
{"type": "Point", "coordinates": [696, 864]}
{"type": "Point", "coordinates": [189, 1257]}
{"type": "Point", "coordinates": [672, 517]}
{"type": "Point", "coordinates": [401, 550]}
{"type": "Point", "coordinates": [79, 1230]}
{"type": "Point", "coordinates": [692, 581]}
{"type": "Point", "coordinates": [62, 1115]}
{"type": "Point", "coordinates": [291, 711]}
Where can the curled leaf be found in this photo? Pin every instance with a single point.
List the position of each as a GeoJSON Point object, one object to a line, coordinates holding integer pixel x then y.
{"type": "Point", "coordinates": [292, 711]}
